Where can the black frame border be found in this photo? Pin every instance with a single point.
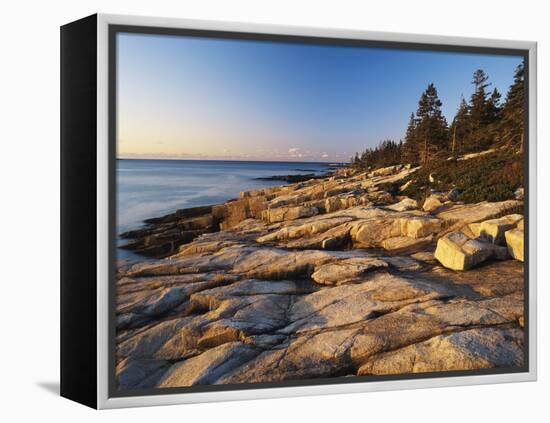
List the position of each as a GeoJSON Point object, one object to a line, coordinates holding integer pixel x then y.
{"type": "Point", "coordinates": [114, 29]}
{"type": "Point", "coordinates": [78, 211]}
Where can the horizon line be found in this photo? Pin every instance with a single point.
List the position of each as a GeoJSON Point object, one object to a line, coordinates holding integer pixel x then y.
{"type": "Point", "coordinates": [233, 160]}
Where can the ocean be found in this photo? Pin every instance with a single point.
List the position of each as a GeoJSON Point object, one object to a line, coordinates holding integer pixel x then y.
{"type": "Point", "coordinates": [151, 188]}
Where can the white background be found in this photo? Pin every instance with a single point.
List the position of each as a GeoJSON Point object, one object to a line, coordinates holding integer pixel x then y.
{"type": "Point", "coordinates": [29, 234]}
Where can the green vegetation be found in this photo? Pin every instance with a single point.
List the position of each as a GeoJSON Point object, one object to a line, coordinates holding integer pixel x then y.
{"type": "Point", "coordinates": [388, 153]}
{"type": "Point", "coordinates": [479, 124]}
{"type": "Point", "coordinates": [491, 177]}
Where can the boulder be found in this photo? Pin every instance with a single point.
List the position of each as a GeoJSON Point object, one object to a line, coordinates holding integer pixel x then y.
{"type": "Point", "coordinates": [520, 224]}
{"type": "Point", "coordinates": [372, 232]}
{"type": "Point", "coordinates": [458, 252]}
{"type": "Point", "coordinates": [236, 211]}
{"type": "Point", "coordinates": [431, 203]}
{"type": "Point", "coordinates": [375, 232]}
{"type": "Point", "coordinates": [515, 242]}
{"type": "Point", "coordinates": [454, 194]}
{"type": "Point", "coordinates": [472, 230]}
{"type": "Point", "coordinates": [420, 226]}
{"type": "Point", "coordinates": [493, 230]}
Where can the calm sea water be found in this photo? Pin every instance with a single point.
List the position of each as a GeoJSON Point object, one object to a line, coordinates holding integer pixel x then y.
{"type": "Point", "coordinates": [150, 188]}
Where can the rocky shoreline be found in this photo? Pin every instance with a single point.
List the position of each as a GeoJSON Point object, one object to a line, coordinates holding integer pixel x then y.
{"type": "Point", "coordinates": [327, 277]}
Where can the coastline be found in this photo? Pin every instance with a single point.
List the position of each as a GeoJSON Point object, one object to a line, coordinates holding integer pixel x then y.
{"type": "Point", "coordinates": [321, 278]}
{"type": "Point", "coordinates": [206, 218]}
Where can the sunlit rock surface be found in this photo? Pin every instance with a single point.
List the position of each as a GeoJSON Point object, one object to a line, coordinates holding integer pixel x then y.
{"type": "Point", "coordinates": [323, 278]}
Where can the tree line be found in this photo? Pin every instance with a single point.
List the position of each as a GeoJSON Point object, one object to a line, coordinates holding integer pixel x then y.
{"type": "Point", "coordinates": [480, 123]}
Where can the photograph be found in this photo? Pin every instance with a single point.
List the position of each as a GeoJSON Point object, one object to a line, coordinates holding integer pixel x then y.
{"type": "Point", "coordinates": [299, 210]}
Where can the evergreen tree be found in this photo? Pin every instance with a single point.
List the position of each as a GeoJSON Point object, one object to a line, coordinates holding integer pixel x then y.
{"type": "Point", "coordinates": [460, 128]}
{"type": "Point", "coordinates": [493, 116]}
{"type": "Point", "coordinates": [432, 130]}
{"type": "Point", "coordinates": [410, 146]}
{"type": "Point", "coordinates": [387, 153]}
{"type": "Point", "coordinates": [513, 124]}
{"type": "Point", "coordinates": [478, 113]}
{"type": "Point", "coordinates": [493, 107]}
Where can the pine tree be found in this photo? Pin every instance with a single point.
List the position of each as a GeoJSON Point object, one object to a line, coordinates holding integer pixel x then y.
{"type": "Point", "coordinates": [513, 124]}
{"type": "Point", "coordinates": [410, 146]}
{"type": "Point", "coordinates": [432, 127]}
{"type": "Point", "coordinates": [478, 112]}
{"type": "Point", "coordinates": [460, 128]}
{"type": "Point", "coordinates": [387, 153]}
{"type": "Point", "coordinates": [493, 117]}
{"type": "Point", "coordinates": [493, 107]}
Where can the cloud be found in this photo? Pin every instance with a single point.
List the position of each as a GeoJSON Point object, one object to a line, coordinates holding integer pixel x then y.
{"type": "Point", "coordinates": [324, 155]}
{"type": "Point", "coordinates": [294, 152]}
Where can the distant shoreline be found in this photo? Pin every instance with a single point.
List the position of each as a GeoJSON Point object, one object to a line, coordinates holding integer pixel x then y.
{"type": "Point", "coordinates": [328, 164]}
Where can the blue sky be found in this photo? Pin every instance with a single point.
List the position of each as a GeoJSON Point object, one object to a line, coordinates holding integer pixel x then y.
{"type": "Point", "coordinates": [188, 97]}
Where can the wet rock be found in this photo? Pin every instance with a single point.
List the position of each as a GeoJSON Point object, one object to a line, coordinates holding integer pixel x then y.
{"type": "Point", "coordinates": [181, 214]}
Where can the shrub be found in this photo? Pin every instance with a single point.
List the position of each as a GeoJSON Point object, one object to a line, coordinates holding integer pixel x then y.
{"type": "Point", "coordinates": [492, 177]}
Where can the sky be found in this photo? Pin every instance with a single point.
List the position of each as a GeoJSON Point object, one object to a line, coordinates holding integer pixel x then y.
{"type": "Point", "coordinates": [185, 97]}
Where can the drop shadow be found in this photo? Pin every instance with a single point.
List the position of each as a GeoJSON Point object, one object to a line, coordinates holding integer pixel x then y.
{"type": "Point", "coordinates": [50, 387]}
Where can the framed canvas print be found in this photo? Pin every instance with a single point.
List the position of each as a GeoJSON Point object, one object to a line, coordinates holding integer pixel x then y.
{"type": "Point", "coordinates": [254, 211]}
